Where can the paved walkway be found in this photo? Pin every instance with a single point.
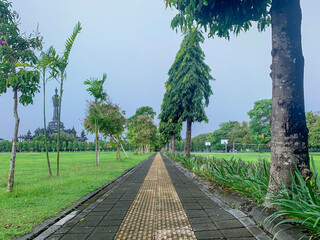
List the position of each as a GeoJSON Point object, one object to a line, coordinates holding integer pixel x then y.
{"type": "Point", "coordinates": [155, 201]}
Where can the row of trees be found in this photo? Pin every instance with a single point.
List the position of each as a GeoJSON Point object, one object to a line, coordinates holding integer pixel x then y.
{"type": "Point", "coordinates": [187, 91]}
{"type": "Point", "coordinates": [39, 146]}
{"type": "Point", "coordinates": [20, 69]}
{"type": "Point", "coordinates": [289, 142]}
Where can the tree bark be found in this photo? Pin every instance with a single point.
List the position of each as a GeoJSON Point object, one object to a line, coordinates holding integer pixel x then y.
{"type": "Point", "coordinates": [59, 119]}
{"type": "Point", "coordinates": [44, 121]}
{"type": "Point", "coordinates": [99, 147]}
{"type": "Point", "coordinates": [14, 143]}
{"type": "Point", "coordinates": [172, 143]}
{"type": "Point", "coordinates": [187, 145]}
{"type": "Point", "coordinates": [118, 152]}
{"type": "Point", "coordinates": [289, 142]}
{"type": "Point", "coordinates": [96, 140]}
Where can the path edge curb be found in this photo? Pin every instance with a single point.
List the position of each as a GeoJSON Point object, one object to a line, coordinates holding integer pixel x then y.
{"type": "Point", "coordinates": [37, 230]}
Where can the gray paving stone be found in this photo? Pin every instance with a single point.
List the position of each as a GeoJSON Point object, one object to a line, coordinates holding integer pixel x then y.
{"type": "Point", "coordinates": [106, 229]}
{"type": "Point", "coordinates": [101, 236]}
{"type": "Point", "coordinates": [80, 230]}
{"type": "Point", "coordinates": [236, 233]}
{"type": "Point", "coordinates": [74, 236]}
{"type": "Point", "coordinates": [200, 220]}
{"type": "Point", "coordinates": [228, 224]}
{"type": "Point", "coordinates": [203, 226]}
{"type": "Point", "coordinates": [215, 234]}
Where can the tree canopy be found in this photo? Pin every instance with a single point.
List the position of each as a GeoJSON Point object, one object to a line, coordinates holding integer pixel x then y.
{"type": "Point", "coordinates": [221, 17]}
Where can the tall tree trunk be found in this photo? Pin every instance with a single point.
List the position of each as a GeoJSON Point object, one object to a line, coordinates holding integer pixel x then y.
{"type": "Point", "coordinates": [98, 147]}
{"type": "Point", "coordinates": [118, 152]}
{"type": "Point", "coordinates": [44, 121]}
{"type": "Point", "coordinates": [14, 143]}
{"type": "Point", "coordinates": [187, 145]}
{"type": "Point", "coordinates": [96, 140]}
{"type": "Point", "coordinates": [172, 143]}
{"type": "Point", "coordinates": [59, 119]}
{"type": "Point", "coordinates": [289, 142]}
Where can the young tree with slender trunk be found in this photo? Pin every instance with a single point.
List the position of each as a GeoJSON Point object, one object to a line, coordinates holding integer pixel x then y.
{"type": "Point", "coordinates": [16, 71]}
{"type": "Point", "coordinates": [58, 68]}
{"type": "Point", "coordinates": [188, 86]}
{"type": "Point", "coordinates": [289, 134]}
{"type": "Point", "coordinates": [95, 89]}
{"type": "Point", "coordinates": [43, 66]}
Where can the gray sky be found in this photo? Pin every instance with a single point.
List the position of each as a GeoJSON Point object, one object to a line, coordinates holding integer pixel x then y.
{"type": "Point", "coordinates": [133, 43]}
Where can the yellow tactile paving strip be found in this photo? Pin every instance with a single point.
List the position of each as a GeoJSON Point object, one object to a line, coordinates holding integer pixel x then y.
{"type": "Point", "coordinates": [156, 212]}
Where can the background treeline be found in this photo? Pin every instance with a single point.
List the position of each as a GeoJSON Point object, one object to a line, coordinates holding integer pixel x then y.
{"type": "Point", "coordinates": [67, 143]}
{"type": "Point", "coordinates": [253, 135]}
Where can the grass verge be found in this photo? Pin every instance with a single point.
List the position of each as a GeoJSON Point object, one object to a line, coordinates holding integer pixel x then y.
{"type": "Point", "coordinates": [37, 196]}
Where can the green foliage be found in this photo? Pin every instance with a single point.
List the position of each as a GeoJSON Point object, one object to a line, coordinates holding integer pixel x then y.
{"type": "Point", "coordinates": [142, 131]}
{"type": "Point", "coordinates": [16, 48]}
{"type": "Point", "coordinates": [110, 120]}
{"type": "Point", "coordinates": [95, 88]}
{"type": "Point", "coordinates": [313, 124]}
{"type": "Point", "coordinates": [188, 84]}
{"type": "Point", "coordinates": [248, 179]}
{"type": "Point", "coordinates": [145, 110]}
{"type": "Point", "coordinates": [299, 203]}
{"type": "Point", "coordinates": [260, 121]}
{"type": "Point", "coordinates": [166, 129]}
{"type": "Point", "coordinates": [220, 17]}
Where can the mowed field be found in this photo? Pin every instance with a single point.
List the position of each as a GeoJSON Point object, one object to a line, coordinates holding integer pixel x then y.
{"type": "Point", "coordinates": [37, 196]}
{"type": "Point", "coordinates": [256, 156]}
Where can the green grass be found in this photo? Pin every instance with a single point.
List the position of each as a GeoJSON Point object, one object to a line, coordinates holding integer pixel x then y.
{"type": "Point", "coordinates": [37, 196]}
{"type": "Point", "coordinates": [254, 156]}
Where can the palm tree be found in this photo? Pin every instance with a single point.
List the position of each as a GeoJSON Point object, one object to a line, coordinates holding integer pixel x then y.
{"type": "Point", "coordinates": [95, 89]}
{"type": "Point", "coordinates": [43, 66]}
{"type": "Point", "coordinates": [58, 67]}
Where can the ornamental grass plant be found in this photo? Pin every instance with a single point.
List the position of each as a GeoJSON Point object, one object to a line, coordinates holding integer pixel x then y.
{"type": "Point", "coordinates": [298, 204]}
{"type": "Point", "coordinates": [248, 179]}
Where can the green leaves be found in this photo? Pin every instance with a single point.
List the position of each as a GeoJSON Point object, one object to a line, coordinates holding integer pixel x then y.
{"type": "Point", "coordinates": [95, 88]}
{"type": "Point", "coordinates": [220, 17]}
{"type": "Point", "coordinates": [70, 41]}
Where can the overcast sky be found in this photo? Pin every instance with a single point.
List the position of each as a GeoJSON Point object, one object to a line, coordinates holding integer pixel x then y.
{"type": "Point", "coordinates": [133, 43]}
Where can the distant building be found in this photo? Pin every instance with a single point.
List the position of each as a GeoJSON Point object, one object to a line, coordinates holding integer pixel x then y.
{"type": "Point", "coordinates": [52, 127]}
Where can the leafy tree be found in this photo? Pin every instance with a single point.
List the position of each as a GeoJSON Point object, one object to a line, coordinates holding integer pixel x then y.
{"type": "Point", "coordinates": [58, 68]}
{"type": "Point", "coordinates": [313, 123]}
{"type": "Point", "coordinates": [289, 142]}
{"type": "Point", "coordinates": [95, 89]}
{"type": "Point", "coordinates": [259, 123]}
{"type": "Point", "coordinates": [188, 83]}
{"type": "Point", "coordinates": [222, 133]}
{"type": "Point", "coordinates": [142, 111]}
{"type": "Point", "coordinates": [169, 133]}
{"type": "Point", "coordinates": [142, 131]}
{"type": "Point", "coordinates": [16, 50]}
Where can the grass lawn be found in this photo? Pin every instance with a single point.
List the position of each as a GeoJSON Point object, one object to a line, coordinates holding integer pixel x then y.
{"type": "Point", "coordinates": [254, 156]}
{"type": "Point", "coordinates": [37, 196]}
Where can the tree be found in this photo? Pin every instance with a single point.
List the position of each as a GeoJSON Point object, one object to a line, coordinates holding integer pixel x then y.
{"type": "Point", "coordinates": [110, 120]}
{"type": "Point", "coordinates": [313, 123]}
{"type": "Point", "coordinates": [259, 124]}
{"type": "Point", "coordinates": [58, 68]}
{"type": "Point", "coordinates": [142, 131]}
{"type": "Point", "coordinates": [95, 89]}
{"type": "Point", "coordinates": [169, 133]}
{"type": "Point", "coordinates": [43, 66]}
{"type": "Point", "coordinates": [289, 141]}
{"type": "Point", "coordinates": [188, 83]}
{"type": "Point", "coordinates": [17, 54]}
